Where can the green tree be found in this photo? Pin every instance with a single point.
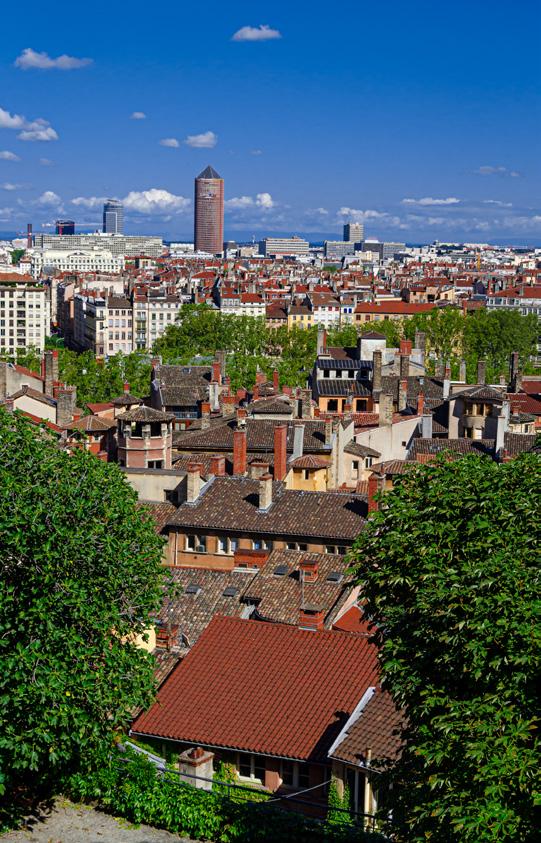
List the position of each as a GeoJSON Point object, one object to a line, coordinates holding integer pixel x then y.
{"type": "Point", "coordinates": [16, 255]}
{"type": "Point", "coordinates": [492, 335]}
{"type": "Point", "coordinates": [81, 575]}
{"type": "Point", "coordinates": [449, 570]}
{"type": "Point", "coordinates": [444, 330]}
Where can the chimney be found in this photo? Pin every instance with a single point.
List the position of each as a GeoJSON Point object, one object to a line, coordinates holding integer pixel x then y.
{"type": "Point", "coordinates": [258, 468]}
{"type": "Point", "coordinates": [385, 409]}
{"type": "Point", "coordinates": [265, 492]}
{"type": "Point", "coordinates": [260, 378]}
{"type": "Point", "coordinates": [194, 481]}
{"type": "Point", "coordinates": [420, 403]}
{"type": "Point", "coordinates": [255, 393]}
{"type": "Point", "coordinates": [328, 432]}
{"type": "Point", "coordinates": [502, 426]}
{"type": "Point", "coordinates": [481, 371]}
{"type": "Point", "coordinates": [216, 372]}
{"type": "Point", "coordinates": [49, 370]}
{"type": "Point", "coordinates": [463, 371]}
{"type": "Point", "coordinates": [439, 369]}
{"type": "Point", "coordinates": [405, 348]}
{"type": "Point", "coordinates": [276, 381]}
{"type": "Point", "coordinates": [374, 486]}
{"type": "Point", "coordinates": [217, 466]}
{"type": "Point", "coordinates": [515, 379]}
{"type": "Point", "coordinates": [446, 381]}
{"type": "Point", "coordinates": [308, 569]}
{"type": "Point", "coordinates": [239, 452]}
{"type": "Point", "coordinates": [426, 426]}
{"type": "Point", "coordinates": [311, 618]}
{"type": "Point", "coordinates": [402, 395]}
{"type": "Point", "coordinates": [65, 405]}
{"type": "Point", "coordinates": [227, 405]}
{"type": "Point", "coordinates": [376, 372]}
{"type": "Point", "coordinates": [241, 417]}
{"type": "Point", "coordinates": [298, 441]}
{"type": "Point", "coordinates": [321, 341]}
{"type": "Point", "coordinates": [205, 415]}
{"type": "Point", "coordinates": [420, 343]}
{"type": "Point", "coordinates": [306, 403]}
{"type": "Point", "coordinates": [280, 452]}
{"type": "Point", "coordinates": [126, 388]}
{"type": "Point", "coordinates": [404, 367]}
{"type": "Point", "coordinates": [214, 396]}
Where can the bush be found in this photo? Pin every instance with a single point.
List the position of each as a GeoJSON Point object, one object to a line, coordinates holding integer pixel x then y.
{"type": "Point", "coordinates": [131, 788]}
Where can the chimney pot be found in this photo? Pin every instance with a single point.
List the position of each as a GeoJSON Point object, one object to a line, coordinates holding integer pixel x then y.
{"type": "Point", "coordinates": [276, 381]}
{"type": "Point", "coordinates": [420, 403]}
{"type": "Point", "coordinates": [126, 388]}
{"type": "Point", "coordinates": [376, 371]}
{"type": "Point", "coordinates": [309, 570]}
{"type": "Point", "coordinates": [216, 372]}
{"type": "Point", "coordinates": [217, 466]}
{"type": "Point", "coordinates": [481, 371]}
{"type": "Point", "coordinates": [265, 492]}
{"type": "Point", "coordinates": [374, 486]}
{"type": "Point", "coordinates": [194, 481]}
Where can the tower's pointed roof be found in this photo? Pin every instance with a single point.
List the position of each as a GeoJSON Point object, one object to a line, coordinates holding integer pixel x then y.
{"type": "Point", "coordinates": [209, 173]}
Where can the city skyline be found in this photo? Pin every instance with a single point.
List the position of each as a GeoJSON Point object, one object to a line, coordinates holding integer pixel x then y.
{"type": "Point", "coordinates": [420, 133]}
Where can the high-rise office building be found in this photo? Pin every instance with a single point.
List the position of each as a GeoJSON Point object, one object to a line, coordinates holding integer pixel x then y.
{"type": "Point", "coordinates": [113, 217]}
{"type": "Point", "coordinates": [65, 227]}
{"type": "Point", "coordinates": [209, 212]}
{"type": "Point", "coordinates": [353, 232]}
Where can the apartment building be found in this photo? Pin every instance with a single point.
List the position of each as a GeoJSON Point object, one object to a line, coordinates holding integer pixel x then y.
{"type": "Point", "coordinates": [283, 247]}
{"type": "Point", "coordinates": [80, 260]}
{"type": "Point", "coordinates": [118, 244]}
{"type": "Point", "coordinates": [153, 312]}
{"type": "Point", "coordinates": [102, 323]}
{"type": "Point", "coordinates": [24, 313]}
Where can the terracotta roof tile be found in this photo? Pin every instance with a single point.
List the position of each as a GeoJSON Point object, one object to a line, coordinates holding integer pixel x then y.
{"type": "Point", "coordinates": [264, 688]}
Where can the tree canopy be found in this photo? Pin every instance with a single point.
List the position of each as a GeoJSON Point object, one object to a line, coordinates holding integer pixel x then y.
{"type": "Point", "coordinates": [449, 570]}
{"type": "Point", "coordinates": [81, 575]}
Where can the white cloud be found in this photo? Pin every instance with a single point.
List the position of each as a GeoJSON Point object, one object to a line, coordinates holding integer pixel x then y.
{"type": "Point", "coordinates": [172, 142]}
{"type": "Point", "coordinates": [256, 152]}
{"type": "Point", "coordinates": [6, 155]}
{"type": "Point", "coordinates": [498, 203]}
{"type": "Point", "coordinates": [206, 140]}
{"type": "Point", "coordinates": [48, 199]}
{"type": "Point", "coordinates": [155, 201]}
{"type": "Point", "coordinates": [428, 200]}
{"type": "Point", "coordinates": [88, 201]}
{"type": "Point", "coordinates": [487, 170]}
{"type": "Point", "coordinates": [29, 130]}
{"type": "Point", "coordinates": [7, 185]}
{"type": "Point", "coordinates": [46, 162]}
{"type": "Point", "coordinates": [263, 32]}
{"type": "Point", "coordinates": [261, 200]}
{"type": "Point", "coordinates": [40, 133]}
{"type": "Point", "coordinates": [138, 115]}
{"type": "Point", "coordinates": [30, 59]}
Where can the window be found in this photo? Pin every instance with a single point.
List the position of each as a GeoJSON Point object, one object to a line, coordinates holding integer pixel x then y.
{"type": "Point", "coordinates": [306, 474]}
{"type": "Point", "coordinates": [368, 461]}
{"type": "Point", "coordinates": [196, 543]}
{"type": "Point", "coordinates": [332, 405]}
{"type": "Point", "coordinates": [296, 546]}
{"type": "Point", "coordinates": [251, 767]}
{"type": "Point", "coordinates": [294, 774]}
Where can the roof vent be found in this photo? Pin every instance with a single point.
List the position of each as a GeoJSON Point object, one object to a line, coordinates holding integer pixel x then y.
{"type": "Point", "coordinates": [230, 591]}
{"type": "Point", "coordinates": [193, 588]}
{"type": "Point", "coordinates": [281, 571]}
{"type": "Point", "coordinates": [335, 576]}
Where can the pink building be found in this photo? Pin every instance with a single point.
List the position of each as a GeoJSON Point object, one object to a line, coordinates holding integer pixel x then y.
{"type": "Point", "coordinates": [209, 212]}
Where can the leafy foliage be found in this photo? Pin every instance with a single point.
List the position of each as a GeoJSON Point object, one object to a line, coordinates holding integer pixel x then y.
{"type": "Point", "coordinates": [449, 569]}
{"type": "Point", "coordinates": [338, 806]}
{"type": "Point", "coordinates": [16, 255]}
{"type": "Point", "coordinates": [81, 573]}
{"type": "Point", "coordinates": [132, 789]}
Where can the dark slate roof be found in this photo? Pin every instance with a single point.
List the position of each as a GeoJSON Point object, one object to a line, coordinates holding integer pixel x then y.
{"type": "Point", "coordinates": [231, 504]}
{"type": "Point", "coordinates": [348, 363]}
{"type": "Point", "coordinates": [146, 414]}
{"type": "Point", "coordinates": [460, 447]}
{"type": "Point", "coordinates": [432, 388]}
{"type": "Point", "coordinates": [182, 386]}
{"type": "Point", "coordinates": [279, 598]}
{"type": "Point", "coordinates": [276, 406]}
{"type": "Point", "coordinates": [260, 437]}
{"type": "Point", "coordinates": [480, 393]}
{"type": "Point", "coordinates": [209, 173]}
{"type": "Point", "coordinates": [182, 462]}
{"type": "Point", "coordinates": [378, 728]}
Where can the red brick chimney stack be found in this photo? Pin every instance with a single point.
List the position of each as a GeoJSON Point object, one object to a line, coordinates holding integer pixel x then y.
{"type": "Point", "coordinates": [374, 485]}
{"type": "Point", "coordinates": [276, 380]}
{"type": "Point", "coordinates": [217, 466]}
{"type": "Point", "coordinates": [280, 452]}
{"type": "Point", "coordinates": [126, 388]}
{"type": "Point", "coordinates": [239, 452]}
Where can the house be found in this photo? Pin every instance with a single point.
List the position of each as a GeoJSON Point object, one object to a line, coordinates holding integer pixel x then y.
{"type": "Point", "coordinates": [270, 699]}
{"type": "Point", "coordinates": [227, 514]}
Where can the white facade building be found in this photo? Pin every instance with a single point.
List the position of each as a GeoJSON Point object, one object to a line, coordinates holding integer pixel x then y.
{"type": "Point", "coordinates": [87, 260]}
{"type": "Point", "coordinates": [24, 313]}
{"type": "Point", "coordinates": [118, 244]}
{"type": "Point", "coordinates": [272, 247]}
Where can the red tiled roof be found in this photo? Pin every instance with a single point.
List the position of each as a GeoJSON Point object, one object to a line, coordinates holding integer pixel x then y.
{"type": "Point", "coordinates": [354, 620]}
{"type": "Point", "coordinates": [266, 688]}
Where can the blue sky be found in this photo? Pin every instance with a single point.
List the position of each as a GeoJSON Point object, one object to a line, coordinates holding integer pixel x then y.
{"type": "Point", "coordinates": [421, 119]}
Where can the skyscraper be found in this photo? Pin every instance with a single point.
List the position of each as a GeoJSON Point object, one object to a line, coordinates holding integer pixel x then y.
{"type": "Point", "coordinates": [65, 227]}
{"type": "Point", "coordinates": [353, 232]}
{"type": "Point", "coordinates": [209, 212]}
{"type": "Point", "coordinates": [113, 217]}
